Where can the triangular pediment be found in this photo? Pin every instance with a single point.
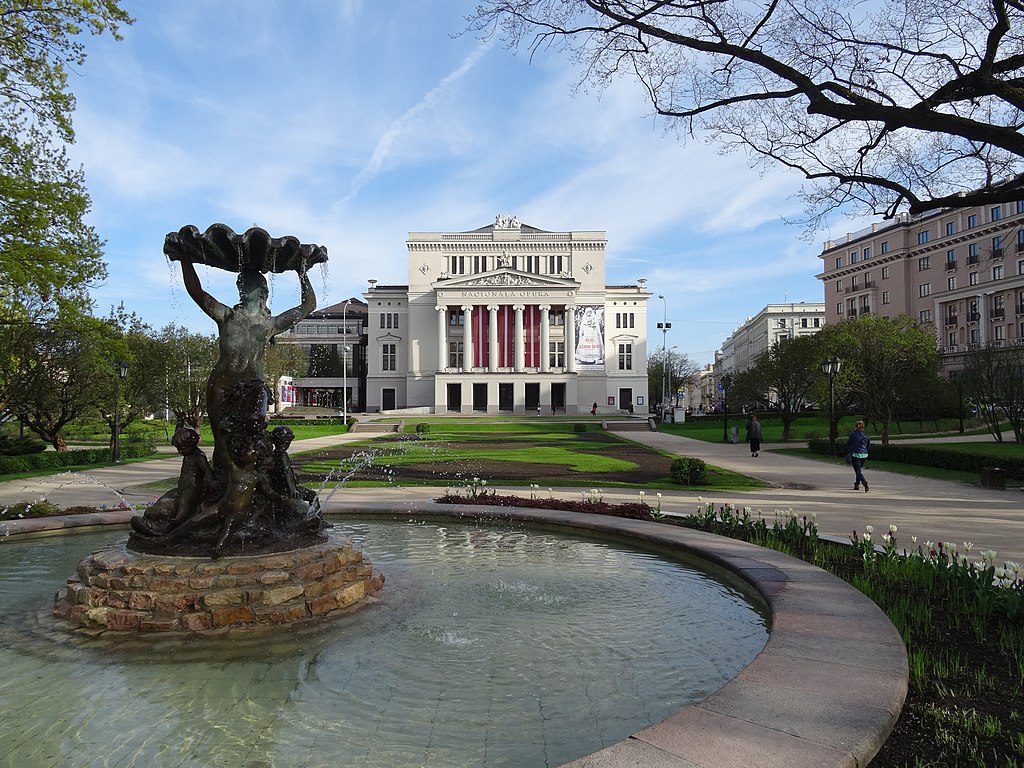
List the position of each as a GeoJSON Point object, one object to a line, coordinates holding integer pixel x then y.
{"type": "Point", "coordinates": [506, 278]}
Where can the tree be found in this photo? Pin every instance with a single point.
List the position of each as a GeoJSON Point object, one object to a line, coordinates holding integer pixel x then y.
{"type": "Point", "coordinates": [994, 376]}
{"type": "Point", "coordinates": [178, 381]}
{"type": "Point", "coordinates": [46, 249]}
{"type": "Point", "coordinates": [897, 103]}
{"type": "Point", "coordinates": [884, 360]}
{"type": "Point", "coordinates": [782, 377]}
{"type": "Point", "coordinates": [666, 370]}
{"type": "Point", "coordinates": [54, 373]}
{"type": "Point", "coordinates": [283, 360]}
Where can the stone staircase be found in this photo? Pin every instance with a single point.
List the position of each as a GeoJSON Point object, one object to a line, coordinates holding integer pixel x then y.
{"type": "Point", "coordinates": [377, 427]}
{"type": "Point", "coordinates": [630, 425]}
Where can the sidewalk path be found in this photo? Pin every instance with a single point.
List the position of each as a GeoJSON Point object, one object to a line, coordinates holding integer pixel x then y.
{"type": "Point", "coordinates": [929, 509]}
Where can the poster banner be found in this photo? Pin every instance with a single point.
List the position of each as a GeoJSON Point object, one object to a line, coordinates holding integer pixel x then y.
{"type": "Point", "coordinates": [590, 338]}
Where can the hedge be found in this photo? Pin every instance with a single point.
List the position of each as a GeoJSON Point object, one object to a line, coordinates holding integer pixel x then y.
{"type": "Point", "coordinates": [934, 456]}
{"type": "Point", "coordinates": [61, 459]}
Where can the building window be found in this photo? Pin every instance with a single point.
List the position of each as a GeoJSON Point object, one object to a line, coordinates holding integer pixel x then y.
{"type": "Point", "coordinates": [925, 315]}
{"type": "Point", "coordinates": [972, 221]}
{"type": "Point", "coordinates": [389, 357]}
{"type": "Point", "coordinates": [972, 278]}
{"type": "Point", "coordinates": [1000, 332]}
{"type": "Point", "coordinates": [455, 349]}
{"type": "Point", "coordinates": [817, 322]}
{"type": "Point", "coordinates": [950, 228]}
{"type": "Point", "coordinates": [885, 247]}
{"type": "Point", "coordinates": [997, 213]}
{"type": "Point", "coordinates": [975, 336]}
{"type": "Point", "coordinates": [951, 283]}
{"type": "Point", "coordinates": [803, 322]}
{"type": "Point", "coordinates": [924, 289]}
{"type": "Point", "coordinates": [951, 259]}
{"type": "Point", "coordinates": [922, 237]}
{"type": "Point", "coordinates": [867, 253]}
{"type": "Point", "coordinates": [389, 320]}
{"type": "Point", "coordinates": [455, 317]}
{"type": "Point", "coordinates": [556, 317]}
{"type": "Point", "coordinates": [839, 308]}
{"type": "Point", "coordinates": [885, 273]}
{"type": "Point", "coordinates": [1020, 206]}
{"type": "Point", "coordinates": [839, 262]}
{"type": "Point", "coordinates": [854, 257]}
{"type": "Point", "coordinates": [556, 354]}
{"type": "Point", "coordinates": [623, 319]}
{"type": "Point", "coordinates": [997, 272]}
{"type": "Point", "coordinates": [924, 263]}
{"type": "Point", "coordinates": [885, 297]}
{"type": "Point", "coordinates": [951, 339]}
{"type": "Point", "coordinates": [625, 357]}
{"type": "Point", "coordinates": [1020, 266]}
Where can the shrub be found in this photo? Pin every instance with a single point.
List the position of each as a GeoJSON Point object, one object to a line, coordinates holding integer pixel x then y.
{"type": "Point", "coordinates": [579, 427]}
{"type": "Point", "coordinates": [19, 446]}
{"type": "Point", "coordinates": [689, 471]}
{"type": "Point", "coordinates": [934, 456]}
{"type": "Point", "coordinates": [422, 428]}
{"type": "Point", "coordinates": [52, 460]}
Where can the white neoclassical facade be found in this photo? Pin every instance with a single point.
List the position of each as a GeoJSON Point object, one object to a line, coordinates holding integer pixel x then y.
{"type": "Point", "coordinates": [506, 319]}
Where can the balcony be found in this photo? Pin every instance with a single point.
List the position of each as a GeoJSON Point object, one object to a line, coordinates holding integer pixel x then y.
{"type": "Point", "coordinates": [972, 260]}
{"type": "Point", "coordinates": [852, 289]}
{"type": "Point", "coordinates": [952, 349]}
{"type": "Point", "coordinates": [997, 314]}
{"type": "Point", "coordinates": [997, 253]}
{"type": "Point", "coordinates": [950, 265]}
{"type": "Point", "coordinates": [973, 346]}
{"type": "Point", "coordinates": [950, 320]}
{"type": "Point", "coordinates": [1019, 309]}
{"type": "Point", "coordinates": [1018, 342]}
{"type": "Point", "coordinates": [869, 284]}
{"type": "Point", "coordinates": [864, 311]}
{"type": "Point", "coordinates": [998, 342]}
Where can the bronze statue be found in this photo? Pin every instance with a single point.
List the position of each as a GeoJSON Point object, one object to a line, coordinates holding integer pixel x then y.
{"type": "Point", "coordinates": [243, 512]}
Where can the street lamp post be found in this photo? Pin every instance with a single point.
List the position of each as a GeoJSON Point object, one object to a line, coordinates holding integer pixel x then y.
{"type": "Point", "coordinates": [663, 327]}
{"type": "Point", "coordinates": [344, 364]}
{"type": "Point", "coordinates": [830, 368]}
{"type": "Point", "coordinates": [957, 378]}
{"type": "Point", "coordinates": [726, 383]}
{"type": "Point", "coordinates": [121, 369]}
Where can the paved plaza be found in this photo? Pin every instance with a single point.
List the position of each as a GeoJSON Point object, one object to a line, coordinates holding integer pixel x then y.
{"type": "Point", "coordinates": [929, 509]}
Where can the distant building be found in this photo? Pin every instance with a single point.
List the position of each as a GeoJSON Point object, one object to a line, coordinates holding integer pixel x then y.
{"type": "Point", "coordinates": [774, 323]}
{"type": "Point", "coordinates": [506, 318]}
{"type": "Point", "coordinates": [960, 271]}
{"type": "Point", "coordinates": [335, 340]}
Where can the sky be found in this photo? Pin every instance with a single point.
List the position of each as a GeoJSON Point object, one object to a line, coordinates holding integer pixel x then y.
{"type": "Point", "coordinates": [350, 123]}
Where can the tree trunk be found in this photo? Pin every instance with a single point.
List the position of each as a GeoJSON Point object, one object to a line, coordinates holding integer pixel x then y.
{"type": "Point", "coordinates": [58, 442]}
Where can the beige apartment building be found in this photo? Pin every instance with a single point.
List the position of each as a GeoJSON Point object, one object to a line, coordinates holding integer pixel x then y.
{"type": "Point", "coordinates": [962, 271]}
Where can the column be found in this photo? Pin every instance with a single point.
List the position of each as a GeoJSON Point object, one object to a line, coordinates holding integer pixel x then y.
{"type": "Point", "coordinates": [520, 355]}
{"type": "Point", "coordinates": [545, 337]}
{"type": "Point", "coordinates": [570, 339]}
{"type": "Point", "coordinates": [442, 339]}
{"type": "Point", "coordinates": [492, 338]}
{"type": "Point", "coordinates": [467, 336]}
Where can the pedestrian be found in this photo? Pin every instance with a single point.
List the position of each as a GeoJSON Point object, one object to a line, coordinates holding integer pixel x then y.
{"type": "Point", "coordinates": [857, 446]}
{"type": "Point", "coordinates": [593, 409]}
{"type": "Point", "coordinates": [552, 409]}
{"type": "Point", "coordinates": [754, 435]}
{"type": "Point", "coordinates": [538, 409]}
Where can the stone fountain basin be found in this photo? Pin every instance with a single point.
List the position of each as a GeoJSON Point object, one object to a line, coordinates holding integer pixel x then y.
{"type": "Point", "coordinates": [826, 690]}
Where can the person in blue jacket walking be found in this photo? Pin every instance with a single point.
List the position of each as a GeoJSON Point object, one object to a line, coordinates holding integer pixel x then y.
{"type": "Point", "coordinates": [857, 445]}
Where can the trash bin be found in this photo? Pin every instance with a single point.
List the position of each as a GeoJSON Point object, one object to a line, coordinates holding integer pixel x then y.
{"type": "Point", "coordinates": [993, 477]}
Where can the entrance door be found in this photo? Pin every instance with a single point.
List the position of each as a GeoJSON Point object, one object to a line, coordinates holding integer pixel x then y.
{"type": "Point", "coordinates": [454, 397]}
{"type": "Point", "coordinates": [532, 396]}
{"type": "Point", "coordinates": [480, 397]}
{"type": "Point", "coordinates": [558, 396]}
{"type": "Point", "coordinates": [506, 397]}
{"type": "Point", "coordinates": [626, 399]}
{"type": "Point", "coordinates": [387, 400]}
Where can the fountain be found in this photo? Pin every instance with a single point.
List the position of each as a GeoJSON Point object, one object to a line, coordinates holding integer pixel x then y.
{"type": "Point", "coordinates": [238, 541]}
